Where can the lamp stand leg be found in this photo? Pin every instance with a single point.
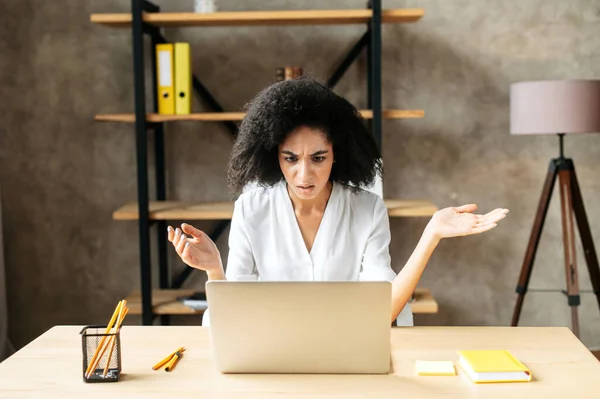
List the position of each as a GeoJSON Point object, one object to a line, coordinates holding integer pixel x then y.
{"type": "Point", "coordinates": [585, 234]}
{"type": "Point", "coordinates": [534, 240]}
{"type": "Point", "coordinates": [566, 210]}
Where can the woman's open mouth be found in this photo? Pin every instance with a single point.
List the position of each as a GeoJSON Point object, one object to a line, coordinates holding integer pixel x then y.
{"type": "Point", "coordinates": [305, 189]}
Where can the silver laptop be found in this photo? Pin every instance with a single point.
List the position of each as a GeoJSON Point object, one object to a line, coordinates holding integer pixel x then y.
{"type": "Point", "coordinates": [300, 327]}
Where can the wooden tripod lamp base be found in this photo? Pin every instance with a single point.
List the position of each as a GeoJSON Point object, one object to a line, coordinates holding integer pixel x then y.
{"type": "Point", "coordinates": [547, 107]}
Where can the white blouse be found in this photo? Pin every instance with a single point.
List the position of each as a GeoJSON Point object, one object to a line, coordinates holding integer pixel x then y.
{"type": "Point", "coordinates": [352, 242]}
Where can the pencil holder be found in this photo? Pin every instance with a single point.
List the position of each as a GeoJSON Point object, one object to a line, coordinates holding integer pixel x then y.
{"type": "Point", "coordinates": [101, 354]}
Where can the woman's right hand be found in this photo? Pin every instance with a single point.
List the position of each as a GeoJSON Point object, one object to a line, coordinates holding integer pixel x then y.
{"type": "Point", "coordinates": [197, 251]}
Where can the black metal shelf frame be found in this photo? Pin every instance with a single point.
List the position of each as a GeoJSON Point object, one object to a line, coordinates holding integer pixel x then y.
{"type": "Point", "coordinates": [371, 40]}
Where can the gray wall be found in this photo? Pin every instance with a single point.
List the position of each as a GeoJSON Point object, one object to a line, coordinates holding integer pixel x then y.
{"type": "Point", "coordinates": [63, 174]}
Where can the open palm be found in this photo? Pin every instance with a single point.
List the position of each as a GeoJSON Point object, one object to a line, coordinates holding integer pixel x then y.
{"type": "Point", "coordinates": [461, 221]}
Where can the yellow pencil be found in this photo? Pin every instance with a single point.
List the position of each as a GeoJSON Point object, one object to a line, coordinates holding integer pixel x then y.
{"type": "Point", "coordinates": [124, 310]}
{"type": "Point", "coordinates": [167, 359]}
{"type": "Point", "coordinates": [173, 361]}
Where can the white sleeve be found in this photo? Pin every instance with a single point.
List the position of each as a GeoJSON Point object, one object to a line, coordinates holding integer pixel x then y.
{"type": "Point", "coordinates": [376, 263]}
{"type": "Point", "coordinates": [240, 262]}
{"type": "Point", "coordinates": [376, 257]}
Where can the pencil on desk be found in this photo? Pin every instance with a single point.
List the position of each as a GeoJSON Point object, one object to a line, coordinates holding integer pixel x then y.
{"type": "Point", "coordinates": [113, 339]}
{"type": "Point", "coordinates": [108, 328]}
{"type": "Point", "coordinates": [173, 361]}
{"type": "Point", "coordinates": [167, 359]}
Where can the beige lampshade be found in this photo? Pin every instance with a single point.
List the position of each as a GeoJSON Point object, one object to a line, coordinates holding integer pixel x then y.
{"type": "Point", "coordinates": [555, 106]}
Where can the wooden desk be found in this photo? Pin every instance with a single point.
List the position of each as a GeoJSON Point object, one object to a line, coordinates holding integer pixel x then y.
{"type": "Point", "coordinates": [50, 367]}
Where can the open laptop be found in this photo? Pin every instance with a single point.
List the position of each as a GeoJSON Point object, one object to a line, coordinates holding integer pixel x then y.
{"type": "Point", "coordinates": [300, 327]}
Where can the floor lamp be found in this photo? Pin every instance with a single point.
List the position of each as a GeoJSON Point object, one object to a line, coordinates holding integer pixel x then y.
{"type": "Point", "coordinates": [558, 107]}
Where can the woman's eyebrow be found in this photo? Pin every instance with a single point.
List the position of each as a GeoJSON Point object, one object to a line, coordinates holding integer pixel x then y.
{"type": "Point", "coordinates": [320, 152]}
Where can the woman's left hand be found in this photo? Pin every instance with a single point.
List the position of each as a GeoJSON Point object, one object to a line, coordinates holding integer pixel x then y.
{"type": "Point", "coordinates": [461, 221]}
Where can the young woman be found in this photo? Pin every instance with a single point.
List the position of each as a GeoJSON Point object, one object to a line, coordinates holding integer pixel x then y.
{"type": "Point", "coordinates": [301, 156]}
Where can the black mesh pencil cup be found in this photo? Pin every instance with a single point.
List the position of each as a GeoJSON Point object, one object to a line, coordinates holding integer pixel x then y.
{"type": "Point", "coordinates": [101, 354]}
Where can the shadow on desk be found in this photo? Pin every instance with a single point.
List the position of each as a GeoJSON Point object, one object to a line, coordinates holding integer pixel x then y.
{"type": "Point", "coordinates": [333, 385]}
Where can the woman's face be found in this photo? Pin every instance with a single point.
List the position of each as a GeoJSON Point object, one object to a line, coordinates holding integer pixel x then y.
{"type": "Point", "coordinates": [306, 158]}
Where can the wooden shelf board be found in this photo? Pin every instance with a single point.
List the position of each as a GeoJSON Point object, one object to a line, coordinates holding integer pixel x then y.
{"type": "Point", "coordinates": [175, 210]}
{"type": "Point", "coordinates": [264, 18]}
{"type": "Point", "coordinates": [409, 208]}
{"type": "Point", "coordinates": [238, 116]}
{"type": "Point", "coordinates": [423, 301]}
{"type": "Point", "coordinates": [165, 302]}
{"type": "Point", "coordinates": [394, 113]}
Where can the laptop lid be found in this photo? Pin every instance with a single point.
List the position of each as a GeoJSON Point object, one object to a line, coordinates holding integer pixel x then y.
{"type": "Point", "coordinates": [300, 327]}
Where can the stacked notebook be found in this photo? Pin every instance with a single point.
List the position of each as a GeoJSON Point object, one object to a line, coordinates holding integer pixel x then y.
{"type": "Point", "coordinates": [493, 366]}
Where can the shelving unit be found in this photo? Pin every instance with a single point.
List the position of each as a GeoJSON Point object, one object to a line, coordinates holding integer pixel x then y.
{"type": "Point", "coordinates": [146, 19]}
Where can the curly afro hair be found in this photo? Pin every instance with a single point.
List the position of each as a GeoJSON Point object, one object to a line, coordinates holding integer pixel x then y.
{"type": "Point", "coordinates": [284, 106]}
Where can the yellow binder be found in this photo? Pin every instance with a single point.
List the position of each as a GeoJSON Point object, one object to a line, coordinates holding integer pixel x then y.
{"type": "Point", "coordinates": [164, 76]}
{"type": "Point", "coordinates": [183, 79]}
{"type": "Point", "coordinates": [493, 366]}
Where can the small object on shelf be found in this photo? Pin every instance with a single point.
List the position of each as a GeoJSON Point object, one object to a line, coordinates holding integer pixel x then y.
{"type": "Point", "coordinates": [164, 75]}
{"type": "Point", "coordinates": [279, 74]}
{"type": "Point", "coordinates": [298, 72]}
{"type": "Point", "coordinates": [183, 79]}
{"type": "Point", "coordinates": [289, 73]}
{"type": "Point", "coordinates": [197, 301]}
{"type": "Point", "coordinates": [292, 72]}
{"type": "Point", "coordinates": [204, 6]}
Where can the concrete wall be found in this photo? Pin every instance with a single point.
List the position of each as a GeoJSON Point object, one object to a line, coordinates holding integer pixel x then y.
{"type": "Point", "coordinates": [63, 174]}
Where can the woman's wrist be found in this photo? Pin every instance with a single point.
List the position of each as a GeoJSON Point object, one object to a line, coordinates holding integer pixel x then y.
{"type": "Point", "coordinates": [431, 235]}
{"type": "Point", "coordinates": [217, 274]}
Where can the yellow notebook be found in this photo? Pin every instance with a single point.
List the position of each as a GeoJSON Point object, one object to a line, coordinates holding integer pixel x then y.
{"type": "Point", "coordinates": [493, 366]}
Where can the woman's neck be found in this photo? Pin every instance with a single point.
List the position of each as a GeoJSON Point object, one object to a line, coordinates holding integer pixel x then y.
{"type": "Point", "coordinates": [318, 203]}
